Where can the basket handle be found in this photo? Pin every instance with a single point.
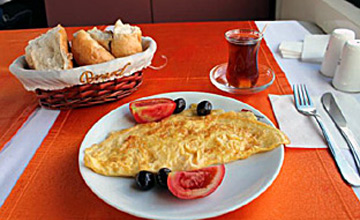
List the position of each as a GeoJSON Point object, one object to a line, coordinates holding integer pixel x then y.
{"type": "Point", "coordinates": [161, 66]}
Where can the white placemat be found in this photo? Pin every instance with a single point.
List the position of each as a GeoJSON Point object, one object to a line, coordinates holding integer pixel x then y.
{"type": "Point", "coordinates": [295, 70]}
{"type": "Point", "coordinates": [17, 153]}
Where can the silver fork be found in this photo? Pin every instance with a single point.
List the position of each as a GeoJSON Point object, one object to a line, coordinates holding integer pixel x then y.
{"type": "Point", "coordinates": [305, 106]}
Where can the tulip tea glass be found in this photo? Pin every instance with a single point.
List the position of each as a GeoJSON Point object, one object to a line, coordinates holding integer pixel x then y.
{"type": "Point", "coordinates": [242, 70]}
{"type": "Point", "coordinates": [242, 74]}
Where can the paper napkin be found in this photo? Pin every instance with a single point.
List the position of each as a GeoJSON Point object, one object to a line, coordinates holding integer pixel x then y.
{"type": "Point", "coordinates": [303, 131]}
{"type": "Point", "coordinates": [289, 49]}
{"type": "Point", "coordinates": [314, 48]}
{"type": "Point", "coordinates": [290, 55]}
{"type": "Point", "coordinates": [291, 46]}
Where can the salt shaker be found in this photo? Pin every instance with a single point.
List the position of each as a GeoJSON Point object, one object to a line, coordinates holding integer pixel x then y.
{"type": "Point", "coordinates": [347, 75]}
{"type": "Point", "coordinates": [337, 41]}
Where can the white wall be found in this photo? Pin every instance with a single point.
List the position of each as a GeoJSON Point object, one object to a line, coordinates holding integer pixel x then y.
{"type": "Point", "coordinates": [328, 14]}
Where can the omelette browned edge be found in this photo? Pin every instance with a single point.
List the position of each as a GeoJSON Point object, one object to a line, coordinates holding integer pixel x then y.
{"type": "Point", "coordinates": [183, 142]}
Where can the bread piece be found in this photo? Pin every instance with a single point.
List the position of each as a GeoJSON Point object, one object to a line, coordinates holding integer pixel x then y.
{"type": "Point", "coordinates": [104, 38]}
{"type": "Point", "coordinates": [49, 51]}
{"type": "Point", "coordinates": [88, 51]}
{"type": "Point", "coordinates": [126, 40]}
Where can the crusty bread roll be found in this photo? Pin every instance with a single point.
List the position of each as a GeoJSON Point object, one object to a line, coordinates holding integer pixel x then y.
{"type": "Point", "coordinates": [88, 51]}
{"type": "Point", "coordinates": [49, 51]}
{"type": "Point", "coordinates": [126, 40]}
{"type": "Point", "coordinates": [104, 38]}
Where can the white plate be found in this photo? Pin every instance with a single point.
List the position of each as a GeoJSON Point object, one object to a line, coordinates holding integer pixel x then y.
{"type": "Point", "coordinates": [244, 179]}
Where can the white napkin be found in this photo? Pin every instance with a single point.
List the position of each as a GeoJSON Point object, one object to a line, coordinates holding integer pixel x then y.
{"type": "Point", "coordinates": [290, 55]}
{"type": "Point", "coordinates": [303, 131]}
{"type": "Point", "coordinates": [289, 49]}
{"type": "Point", "coordinates": [291, 46]}
{"type": "Point", "coordinates": [314, 48]}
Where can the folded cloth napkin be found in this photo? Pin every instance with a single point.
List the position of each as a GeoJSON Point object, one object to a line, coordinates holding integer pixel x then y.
{"type": "Point", "coordinates": [303, 131]}
{"type": "Point", "coordinates": [314, 48]}
{"type": "Point", "coordinates": [289, 49]}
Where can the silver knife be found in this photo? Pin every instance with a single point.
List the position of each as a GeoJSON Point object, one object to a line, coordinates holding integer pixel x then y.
{"type": "Point", "coordinates": [338, 118]}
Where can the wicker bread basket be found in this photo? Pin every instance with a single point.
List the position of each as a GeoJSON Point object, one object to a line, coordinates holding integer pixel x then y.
{"type": "Point", "coordinates": [86, 85]}
{"type": "Point", "coordinates": [89, 94]}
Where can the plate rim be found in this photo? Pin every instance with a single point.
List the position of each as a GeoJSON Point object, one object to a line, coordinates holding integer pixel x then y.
{"type": "Point", "coordinates": [197, 216]}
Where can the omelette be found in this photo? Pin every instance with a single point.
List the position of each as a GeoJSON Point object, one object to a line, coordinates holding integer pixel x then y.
{"type": "Point", "coordinates": [183, 141]}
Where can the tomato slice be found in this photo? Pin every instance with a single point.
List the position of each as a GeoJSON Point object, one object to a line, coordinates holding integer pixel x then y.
{"type": "Point", "coordinates": [151, 110]}
{"type": "Point", "coordinates": [195, 183]}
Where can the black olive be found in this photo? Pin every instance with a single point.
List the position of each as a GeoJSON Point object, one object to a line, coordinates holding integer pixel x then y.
{"type": "Point", "coordinates": [180, 105]}
{"type": "Point", "coordinates": [162, 176]}
{"type": "Point", "coordinates": [204, 108]}
{"type": "Point", "coordinates": [145, 180]}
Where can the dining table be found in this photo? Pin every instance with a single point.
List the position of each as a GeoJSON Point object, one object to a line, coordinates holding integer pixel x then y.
{"type": "Point", "coordinates": [39, 170]}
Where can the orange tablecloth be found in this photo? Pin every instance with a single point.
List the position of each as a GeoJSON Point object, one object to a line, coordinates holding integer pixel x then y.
{"type": "Point", "coordinates": [16, 104]}
{"type": "Point", "coordinates": [308, 186]}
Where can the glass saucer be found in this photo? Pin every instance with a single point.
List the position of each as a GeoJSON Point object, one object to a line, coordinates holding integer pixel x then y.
{"type": "Point", "coordinates": [218, 79]}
